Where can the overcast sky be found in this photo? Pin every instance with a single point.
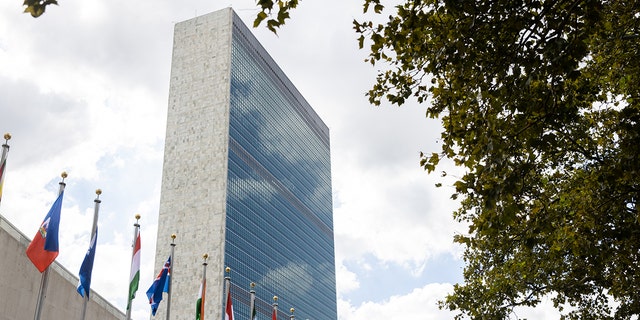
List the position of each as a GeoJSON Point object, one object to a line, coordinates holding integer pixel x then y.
{"type": "Point", "coordinates": [84, 89]}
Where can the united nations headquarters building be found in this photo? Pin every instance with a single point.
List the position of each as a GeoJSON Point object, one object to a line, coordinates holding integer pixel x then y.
{"type": "Point", "coordinates": [246, 180]}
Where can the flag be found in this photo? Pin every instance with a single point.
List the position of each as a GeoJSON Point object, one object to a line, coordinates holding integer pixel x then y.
{"type": "Point", "coordinates": [228, 313]}
{"type": "Point", "coordinates": [84, 284]}
{"type": "Point", "coordinates": [200, 301]}
{"type": "Point", "coordinates": [160, 285]}
{"type": "Point", "coordinates": [43, 249]}
{"type": "Point", "coordinates": [253, 307]}
{"type": "Point", "coordinates": [274, 315]}
{"type": "Point", "coordinates": [134, 275]}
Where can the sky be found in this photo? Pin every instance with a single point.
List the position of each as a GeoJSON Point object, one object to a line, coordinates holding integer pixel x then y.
{"type": "Point", "coordinates": [84, 89]}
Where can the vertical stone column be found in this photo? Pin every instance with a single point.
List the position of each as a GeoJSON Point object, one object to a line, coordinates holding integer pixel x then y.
{"type": "Point", "coordinates": [194, 175]}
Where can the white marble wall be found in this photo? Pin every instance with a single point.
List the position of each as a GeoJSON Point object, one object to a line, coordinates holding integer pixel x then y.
{"type": "Point", "coordinates": [193, 195]}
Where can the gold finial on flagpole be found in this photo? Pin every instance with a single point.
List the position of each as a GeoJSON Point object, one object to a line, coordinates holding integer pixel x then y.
{"type": "Point", "coordinates": [7, 137]}
{"type": "Point", "coordinates": [98, 192]}
{"type": "Point", "coordinates": [62, 183]}
{"type": "Point", "coordinates": [252, 285]}
{"type": "Point", "coordinates": [227, 269]}
{"type": "Point", "coordinates": [205, 256]}
{"type": "Point", "coordinates": [137, 225]}
{"type": "Point", "coordinates": [275, 298]}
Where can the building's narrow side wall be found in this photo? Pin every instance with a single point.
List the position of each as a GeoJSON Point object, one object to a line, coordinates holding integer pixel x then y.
{"type": "Point", "coordinates": [193, 194]}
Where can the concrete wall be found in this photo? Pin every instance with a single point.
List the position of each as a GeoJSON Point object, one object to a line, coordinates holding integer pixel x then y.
{"type": "Point", "coordinates": [20, 283]}
{"type": "Point", "coordinates": [194, 175]}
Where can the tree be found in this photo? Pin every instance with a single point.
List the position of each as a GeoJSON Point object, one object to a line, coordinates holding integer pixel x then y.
{"type": "Point", "coordinates": [266, 8]}
{"type": "Point", "coordinates": [37, 7]}
{"type": "Point", "coordinates": [540, 104]}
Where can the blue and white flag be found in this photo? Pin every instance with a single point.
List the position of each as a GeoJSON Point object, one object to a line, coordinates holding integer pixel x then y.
{"type": "Point", "coordinates": [84, 284]}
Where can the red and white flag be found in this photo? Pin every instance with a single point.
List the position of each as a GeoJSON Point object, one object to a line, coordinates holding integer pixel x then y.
{"type": "Point", "coordinates": [228, 313]}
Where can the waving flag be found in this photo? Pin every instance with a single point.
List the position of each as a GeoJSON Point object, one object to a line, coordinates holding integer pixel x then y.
{"type": "Point", "coordinates": [228, 313]}
{"type": "Point", "coordinates": [84, 284]}
{"type": "Point", "coordinates": [160, 285]}
{"type": "Point", "coordinates": [253, 314]}
{"type": "Point", "coordinates": [134, 275]}
{"type": "Point", "coordinates": [43, 249]}
{"type": "Point", "coordinates": [200, 301]}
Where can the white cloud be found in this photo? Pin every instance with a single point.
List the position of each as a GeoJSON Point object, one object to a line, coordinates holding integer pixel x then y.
{"type": "Point", "coordinates": [346, 280]}
{"type": "Point", "coordinates": [419, 304]}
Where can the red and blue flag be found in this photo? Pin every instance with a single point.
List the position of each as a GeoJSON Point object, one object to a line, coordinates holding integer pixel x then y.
{"type": "Point", "coordinates": [160, 285]}
{"type": "Point", "coordinates": [43, 249]}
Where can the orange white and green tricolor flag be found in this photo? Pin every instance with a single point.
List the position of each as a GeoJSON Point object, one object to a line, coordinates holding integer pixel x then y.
{"type": "Point", "coordinates": [134, 276]}
{"type": "Point", "coordinates": [200, 301]}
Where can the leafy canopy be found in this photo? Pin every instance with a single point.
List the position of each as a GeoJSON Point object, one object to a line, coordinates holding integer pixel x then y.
{"type": "Point", "coordinates": [36, 7]}
{"type": "Point", "coordinates": [282, 14]}
{"type": "Point", "coordinates": [540, 104]}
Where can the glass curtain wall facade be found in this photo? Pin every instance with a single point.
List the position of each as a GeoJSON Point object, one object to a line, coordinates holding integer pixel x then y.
{"type": "Point", "coordinates": [279, 220]}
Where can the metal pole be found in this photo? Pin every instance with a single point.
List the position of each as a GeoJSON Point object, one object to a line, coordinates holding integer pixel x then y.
{"type": "Point", "coordinates": [94, 226]}
{"type": "Point", "coordinates": [44, 281]}
{"type": "Point", "coordinates": [136, 230]}
{"type": "Point", "coordinates": [252, 303]}
{"type": "Point", "coordinates": [204, 284]}
{"type": "Point", "coordinates": [227, 285]}
{"type": "Point", "coordinates": [275, 308]}
{"type": "Point", "coordinates": [173, 245]}
{"type": "Point", "coordinates": [3, 160]}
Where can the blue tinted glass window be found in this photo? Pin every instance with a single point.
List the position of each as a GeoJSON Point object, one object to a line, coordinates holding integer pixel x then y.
{"type": "Point", "coordinates": [279, 231]}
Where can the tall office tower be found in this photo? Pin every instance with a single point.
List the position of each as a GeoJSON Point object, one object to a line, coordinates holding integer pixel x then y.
{"type": "Point", "coordinates": [246, 179]}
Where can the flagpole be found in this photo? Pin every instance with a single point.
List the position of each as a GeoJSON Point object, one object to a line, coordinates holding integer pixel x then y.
{"type": "Point", "coordinates": [275, 308]}
{"type": "Point", "coordinates": [136, 230]}
{"type": "Point", "coordinates": [173, 246]}
{"type": "Point", "coordinates": [3, 160]}
{"type": "Point", "coordinates": [227, 284]}
{"type": "Point", "coordinates": [252, 303]}
{"type": "Point", "coordinates": [94, 226]}
{"type": "Point", "coordinates": [44, 281]}
{"type": "Point", "coordinates": [204, 284]}
{"type": "Point", "coordinates": [292, 316]}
